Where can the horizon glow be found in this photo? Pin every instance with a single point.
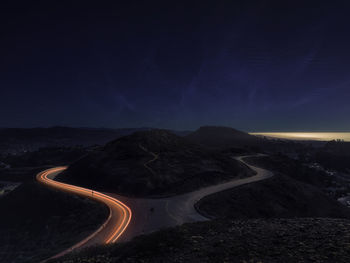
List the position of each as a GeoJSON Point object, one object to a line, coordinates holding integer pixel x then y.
{"type": "Point", "coordinates": [314, 136]}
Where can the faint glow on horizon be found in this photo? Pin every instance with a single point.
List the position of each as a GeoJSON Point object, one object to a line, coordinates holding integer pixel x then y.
{"type": "Point", "coordinates": [314, 136]}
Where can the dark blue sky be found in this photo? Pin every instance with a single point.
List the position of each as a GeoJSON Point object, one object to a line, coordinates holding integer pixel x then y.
{"type": "Point", "coordinates": [257, 66]}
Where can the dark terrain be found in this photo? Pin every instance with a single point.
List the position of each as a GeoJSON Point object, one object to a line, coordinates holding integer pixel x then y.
{"type": "Point", "coordinates": [224, 240]}
{"type": "Point", "coordinates": [276, 197]}
{"type": "Point", "coordinates": [290, 217]}
{"type": "Point", "coordinates": [293, 168]}
{"type": "Point", "coordinates": [222, 137]}
{"type": "Point", "coordinates": [334, 184]}
{"type": "Point", "coordinates": [37, 223]}
{"type": "Point", "coordinates": [152, 163]}
{"type": "Point", "coordinates": [232, 141]}
{"type": "Point", "coordinates": [286, 218]}
{"type": "Point", "coordinates": [24, 174]}
{"type": "Point", "coordinates": [18, 140]}
{"type": "Point", "coordinates": [334, 155]}
{"type": "Point", "coordinates": [53, 156]}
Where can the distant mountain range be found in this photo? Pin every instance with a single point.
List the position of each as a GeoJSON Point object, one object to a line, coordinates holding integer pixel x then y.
{"type": "Point", "coordinates": [222, 137]}
{"type": "Point", "coordinates": [17, 140]}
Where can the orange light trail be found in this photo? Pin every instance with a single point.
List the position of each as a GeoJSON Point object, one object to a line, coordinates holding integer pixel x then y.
{"type": "Point", "coordinates": [116, 207]}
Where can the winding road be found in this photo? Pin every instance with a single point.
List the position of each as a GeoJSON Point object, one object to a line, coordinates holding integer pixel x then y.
{"type": "Point", "coordinates": [116, 223]}
{"type": "Point", "coordinates": [148, 215]}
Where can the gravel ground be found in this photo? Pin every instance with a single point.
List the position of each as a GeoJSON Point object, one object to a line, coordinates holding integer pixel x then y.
{"type": "Point", "coordinates": [254, 240]}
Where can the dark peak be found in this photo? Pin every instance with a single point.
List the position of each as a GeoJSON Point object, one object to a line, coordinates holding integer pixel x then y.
{"type": "Point", "coordinates": [221, 137]}
{"type": "Point", "coordinates": [155, 140]}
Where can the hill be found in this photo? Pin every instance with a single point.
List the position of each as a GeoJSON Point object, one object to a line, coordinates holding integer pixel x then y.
{"type": "Point", "coordinates": [293, 168]}
{"type": "Point", "coordinates": [219, 137]}
{"type": "Point", "coordinates": [276, 197]}
{"type": "Point", "coordinates": [155, 162]}
{"type": "Point", "coordinates": [334, 155]}
{"type": "Point", "coordinates": [236, 142]}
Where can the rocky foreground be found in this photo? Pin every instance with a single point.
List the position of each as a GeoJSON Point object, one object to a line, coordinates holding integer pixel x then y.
{"type": "Point", "coordinates": [258, 240]}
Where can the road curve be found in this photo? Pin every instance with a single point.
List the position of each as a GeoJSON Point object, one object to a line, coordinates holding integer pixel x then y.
{"type": "Point", "coordinates": [183, 207]}
{"type": "Point", "coordinates": [152, 214]}
{"type": "Point", "coordinates": [115, 225]}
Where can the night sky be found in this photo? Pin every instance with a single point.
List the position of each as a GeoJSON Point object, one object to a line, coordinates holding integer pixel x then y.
{"type": "Point", "coordinates": [254, 65]}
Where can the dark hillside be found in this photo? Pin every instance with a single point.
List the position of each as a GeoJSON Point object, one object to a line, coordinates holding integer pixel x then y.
{"type": "Point", "coordinates": [276, 197]}
{"type": "Point", "coordinates": [154, 162]}
{"type": "Point", "coordinates": [54, 156]}
{"type": "Point", "coordinates": [219, 137]}
{"type": "Point", "coordinates": [37, 222]}
{"type": "Point", "coordinates": [293, 168]}
{"type": "Point", "coordinates": [233, 141]}
{"type": "Point", "coordinates": [335, 155]}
